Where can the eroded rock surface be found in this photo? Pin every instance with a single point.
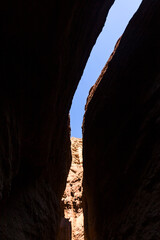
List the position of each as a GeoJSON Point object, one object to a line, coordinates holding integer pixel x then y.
{"type": "Point", "coordinates": [72, 198]}
{"type": "Point", "coordinates": [121, 133]}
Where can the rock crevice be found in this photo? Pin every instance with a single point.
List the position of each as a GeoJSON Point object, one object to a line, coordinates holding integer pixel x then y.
{"type": "Point", "coordinates": [72, 198]}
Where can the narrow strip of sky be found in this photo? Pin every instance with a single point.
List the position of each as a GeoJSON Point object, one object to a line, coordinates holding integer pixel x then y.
{"type": "Point", "coordinates": [117, 20]}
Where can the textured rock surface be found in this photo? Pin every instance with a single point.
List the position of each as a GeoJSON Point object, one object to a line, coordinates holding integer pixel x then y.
{"type": "Point", "coordinates": [72, 198]}
{"type": "Point", "coordinates": [122, 137]}
{"type": "Point", "coordinates": [44, 48]}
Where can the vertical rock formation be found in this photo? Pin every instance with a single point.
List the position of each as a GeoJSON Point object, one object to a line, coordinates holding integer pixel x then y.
{"type": "Point", "coordinates": [72, 198]}
{"type": "Point", "coordinates": [44, 48]}
{"type": "Point", "coordinates": [121, 133]}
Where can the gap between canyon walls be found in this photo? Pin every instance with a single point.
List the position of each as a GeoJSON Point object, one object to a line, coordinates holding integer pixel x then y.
{"type": "Point", "coordinates": [72, 221]}
{"type": "Point", "coordinates": [118, 17]}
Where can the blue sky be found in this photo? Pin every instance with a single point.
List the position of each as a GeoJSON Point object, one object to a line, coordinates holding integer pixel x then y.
{"type": "Point", "coordinates": [116, 22]}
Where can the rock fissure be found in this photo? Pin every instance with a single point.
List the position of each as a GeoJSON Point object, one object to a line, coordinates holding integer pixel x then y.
{"type": "Point", "coordinates": [72, 198]}
{"type": "Point", "coordinates": [44, 48]}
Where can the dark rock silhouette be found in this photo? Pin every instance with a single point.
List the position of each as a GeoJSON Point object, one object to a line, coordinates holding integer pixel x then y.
{"type": "Point", "coordinates": [121, 132]}
{"type": "Point", "coordinates": [44, 48]}
{"type": "Point", "coordinates": [65, 232]}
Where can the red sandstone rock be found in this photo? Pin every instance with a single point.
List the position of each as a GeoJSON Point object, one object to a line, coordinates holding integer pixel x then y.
{"type": "Point", "coordinates": [121, 133]}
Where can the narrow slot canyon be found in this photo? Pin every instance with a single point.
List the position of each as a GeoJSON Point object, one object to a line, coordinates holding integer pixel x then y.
{"type": "Point", "coordinates": [72, 198]}
{"type": "Point", "coordinates": [105, 185]}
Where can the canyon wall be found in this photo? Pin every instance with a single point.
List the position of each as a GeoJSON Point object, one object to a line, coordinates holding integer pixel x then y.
{"type": "Point", "coordinates": [121, 131]}
{"type": "Point", "coordinates": [44, 48]}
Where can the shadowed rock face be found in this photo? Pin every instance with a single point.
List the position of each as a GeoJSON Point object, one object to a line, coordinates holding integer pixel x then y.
{"type": "Point", "coordinates": [121, 133]}
{"type": "Point", "coordinates": [44, 48]}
